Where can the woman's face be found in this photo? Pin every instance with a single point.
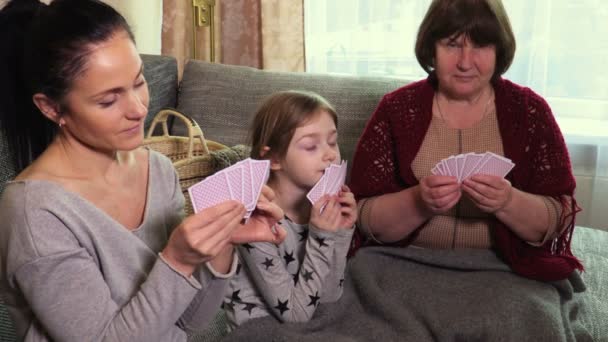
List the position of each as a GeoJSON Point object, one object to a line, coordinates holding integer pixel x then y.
{"type": "Point", "coordinates": [108, 102]}
{"type": "Point", "coordinates": [463, 69]}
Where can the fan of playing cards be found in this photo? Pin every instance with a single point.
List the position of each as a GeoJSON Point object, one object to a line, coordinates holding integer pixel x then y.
{"type": "Point", "coordinates": [242, 182]}
{"type": "Point", "coordinates": [466, 165]}
{"type": "Point", "coordinates": [330, 183]}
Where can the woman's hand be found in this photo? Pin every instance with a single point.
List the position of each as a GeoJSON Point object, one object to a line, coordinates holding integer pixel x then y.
{"type": "Point", "coordinates": [202, 236]}
{"type": "Point", "coordinates": [439, 194]}
{"type": "Point", "coordinates": [349, 208]}
{"type": "Point", "coordinates": [489, 193]}
{"type": "Point", "coordinates": [262, 225]}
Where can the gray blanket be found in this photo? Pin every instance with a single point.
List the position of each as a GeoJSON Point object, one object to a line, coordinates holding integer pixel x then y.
{"type": "Point", "coordinates": [414, 294]}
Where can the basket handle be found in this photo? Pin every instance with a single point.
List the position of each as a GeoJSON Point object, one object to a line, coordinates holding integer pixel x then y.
{"type": "Point", "coordinates": [194, 131]}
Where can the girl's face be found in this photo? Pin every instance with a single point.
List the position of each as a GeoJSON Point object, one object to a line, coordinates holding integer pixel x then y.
{"type": "Point", "coordinates": [463, 68]}
{"type": "Point", "coordinates": [108, 102]}
{"type": "Point", "coordinates": [313, 147]}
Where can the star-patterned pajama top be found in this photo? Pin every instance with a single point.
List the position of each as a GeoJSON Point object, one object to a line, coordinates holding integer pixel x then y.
{"type": "Point", "coordinates": [288, 280]}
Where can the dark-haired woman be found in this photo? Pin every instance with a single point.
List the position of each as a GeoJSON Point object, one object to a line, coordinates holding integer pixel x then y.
{"type": "Point", "coordinates": [466, 106]}
{"type": "Point", "coordinates": [92, 242]}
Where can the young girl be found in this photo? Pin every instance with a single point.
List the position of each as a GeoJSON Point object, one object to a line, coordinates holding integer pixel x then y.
{"type": "Point", "coordinates": [296, 131]}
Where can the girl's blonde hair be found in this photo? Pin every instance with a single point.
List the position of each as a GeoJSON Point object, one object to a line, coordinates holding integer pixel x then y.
{"type": "Point", "coordinates": [276, 120]}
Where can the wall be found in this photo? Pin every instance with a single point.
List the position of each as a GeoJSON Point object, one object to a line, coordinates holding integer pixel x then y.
{"type": "Point", "coordinates": [145, 18]}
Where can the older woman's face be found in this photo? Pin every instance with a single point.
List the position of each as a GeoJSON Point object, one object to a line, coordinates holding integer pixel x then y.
{"type": "Point", "coordinates": [463, 69]}
{"type": "Point", "coordinates": [108, 102]}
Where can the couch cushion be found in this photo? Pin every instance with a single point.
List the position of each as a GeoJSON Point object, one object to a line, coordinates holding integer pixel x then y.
{"type": "Point", "coordinates": [161, 74]}
{"type": "Point", "coordinates": [223, 98]}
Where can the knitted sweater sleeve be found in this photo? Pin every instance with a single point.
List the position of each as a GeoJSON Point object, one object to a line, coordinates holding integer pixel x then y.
{"type": "Point", "coordinates": [537, 146]}
{"type": "Point", "coordinates": [375, 169]}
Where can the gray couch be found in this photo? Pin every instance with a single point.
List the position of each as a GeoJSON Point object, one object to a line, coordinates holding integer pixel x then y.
{"type": "Point", "coordinates": [222, 99]}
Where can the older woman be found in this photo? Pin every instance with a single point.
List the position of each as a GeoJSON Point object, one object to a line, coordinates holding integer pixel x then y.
{"type": "Point", "coordinates": [466, 106]}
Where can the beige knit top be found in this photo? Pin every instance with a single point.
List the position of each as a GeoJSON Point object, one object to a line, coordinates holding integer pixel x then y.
{"type": "Point", "coordinates": [464, 226]}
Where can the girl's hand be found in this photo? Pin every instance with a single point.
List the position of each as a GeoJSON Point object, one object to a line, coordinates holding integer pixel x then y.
{"type": "Point", "coordinates": [330, 218]}
{"type": "Point", "coordinates": [489, 193]}
{"type": "Point", "coordinates": [202, 236]}
{"type": "Point", "coordinates": [262, 225]}
{"type": "Point", "coordinates": [439, 194]}
{"type": "Point", "coordinates": [349, 208]}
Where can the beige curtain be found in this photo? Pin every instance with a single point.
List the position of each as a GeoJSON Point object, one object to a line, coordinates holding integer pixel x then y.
{"type": "Point", "coordinates": [264, 34]}
{"type": "Point", "coordinates": [177, 33]}
{"type": "Point", "coordinates": [283, 35]}
{"type": "Point", "coordinates": [241, 34]}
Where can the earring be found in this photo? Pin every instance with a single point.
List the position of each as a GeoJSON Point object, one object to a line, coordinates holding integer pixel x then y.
{"type": "Point", "coordinates": [61, 124]}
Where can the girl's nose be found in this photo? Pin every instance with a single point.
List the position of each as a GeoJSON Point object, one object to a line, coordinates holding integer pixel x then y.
{"type": "Point", "coordinates": [331, 154]}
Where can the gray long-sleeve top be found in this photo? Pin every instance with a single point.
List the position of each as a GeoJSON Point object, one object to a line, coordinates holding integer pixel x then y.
{"type": "Point", "coordinates": [288, 280]}
{"type": "Point", "coordinates": [72, 273]}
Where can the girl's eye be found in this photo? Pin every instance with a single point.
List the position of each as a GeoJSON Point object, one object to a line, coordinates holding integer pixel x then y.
{"type": "Point", "coordinates": [310, 148]}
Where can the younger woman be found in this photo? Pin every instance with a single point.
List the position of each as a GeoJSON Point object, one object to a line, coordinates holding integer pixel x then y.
{"type": "Point", "coordinates": [93, 242]}
{"type": "Point", "coordinates": [296, 131]}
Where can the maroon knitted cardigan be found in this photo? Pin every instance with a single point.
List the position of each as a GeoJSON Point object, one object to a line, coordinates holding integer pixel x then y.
{"type": "Point", "coordinates": [531, 139]}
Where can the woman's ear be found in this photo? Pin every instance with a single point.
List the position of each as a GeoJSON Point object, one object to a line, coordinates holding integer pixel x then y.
{"type": "Point", "coordinates": [48, 107]}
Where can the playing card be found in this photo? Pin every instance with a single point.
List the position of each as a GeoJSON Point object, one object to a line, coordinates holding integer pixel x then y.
{"type": "Point", "coordinates": [260, 170]}
{"type": "Point", "coordinates": [484, 159]}
{"type": "Point", "coordinates": [440, 168]}
{"type": "Point", "coordinates": [317, 190]}
{"type": "Point", "coordinates": [459, 165]}
{"type": "Point", "coordinates": [471, 161]}
{"type": "Point", "coordinates": [330, 183]}
{"type": "Point", "coordinates": [452, 166]}
{"type": "Point", "coordinates": [333, 179]}
{"type": "Point", "coordinates": [212, 191]}
{"type": "Point", "coordinates": [247, 197]}
{"type": "Point", "coordinates": [496, 165]}
{"type": "Point", "coordinates": [343, 171]}
{"type": "Point", "coordinates": [234, 176]}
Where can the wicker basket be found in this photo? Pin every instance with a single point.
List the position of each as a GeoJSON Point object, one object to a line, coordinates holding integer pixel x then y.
{"type": "Point", "coordinates": [190, 155]}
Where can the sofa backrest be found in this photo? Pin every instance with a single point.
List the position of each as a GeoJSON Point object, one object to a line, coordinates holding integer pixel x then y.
{"type": "Point", "coordinates": [224, 98]}
{"type": "Point", "coordinates": [161, 75]}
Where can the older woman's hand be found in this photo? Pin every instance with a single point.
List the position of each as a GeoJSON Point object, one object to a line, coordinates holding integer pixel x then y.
{"type": "Point", "coordinates": [489, 193]}
{"type": "Point", "coordinates": [439, 193]}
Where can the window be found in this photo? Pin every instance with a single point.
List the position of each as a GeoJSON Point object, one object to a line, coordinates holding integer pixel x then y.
{"type": "Point", "coordinates": [562, 50]}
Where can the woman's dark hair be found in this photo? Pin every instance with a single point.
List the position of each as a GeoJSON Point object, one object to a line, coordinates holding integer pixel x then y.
{"type": "Point", "coordinates": [485, 22]}
{"type": "Point", "coordinates": [44, 48]}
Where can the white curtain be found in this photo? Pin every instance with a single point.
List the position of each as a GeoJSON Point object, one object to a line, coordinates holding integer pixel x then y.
{"type": "Point", "coordinates": [562, 50]}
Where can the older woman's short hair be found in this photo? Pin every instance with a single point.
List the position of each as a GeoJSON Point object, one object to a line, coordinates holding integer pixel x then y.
{"type": "Point", "coordinates": [485, 22]}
